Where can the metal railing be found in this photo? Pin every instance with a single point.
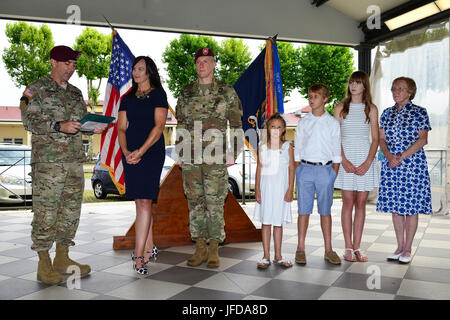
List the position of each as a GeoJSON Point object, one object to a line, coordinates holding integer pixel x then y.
{"type": "Point", "coordinates": [437, 162]}
{"type": "Point", "coordinates": [248, 174]}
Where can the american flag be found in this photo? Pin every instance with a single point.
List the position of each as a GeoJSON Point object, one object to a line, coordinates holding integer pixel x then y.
{"type": "Point", "coordinates": [119, 83]}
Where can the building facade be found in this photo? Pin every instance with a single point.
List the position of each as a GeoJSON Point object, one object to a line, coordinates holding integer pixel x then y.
{"type": "Point", "coordinates": [12, 130]}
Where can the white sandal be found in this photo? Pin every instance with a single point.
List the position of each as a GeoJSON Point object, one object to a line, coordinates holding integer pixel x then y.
{"type": "Point", "coordinates": [286, 263]}
{"type": "Point", "coordinates": [353, 259]}
{"type": "Point", "coordinates": [263, 263]}
{"type": "Point", "coordinates": [362, 257]}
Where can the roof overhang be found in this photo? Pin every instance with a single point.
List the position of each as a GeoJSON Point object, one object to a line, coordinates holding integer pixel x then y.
{"type": "Point", "coordinates": [338, 22]}
{"type": "Point", "coordinates": [292, 20]}
{"type": "Point", "coordinates": [376, 35]}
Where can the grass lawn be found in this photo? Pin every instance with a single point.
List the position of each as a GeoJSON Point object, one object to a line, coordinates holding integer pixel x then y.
{"type": "Point", "coordinates": [337, 194]}
{"type": "Point", "coordinates": [88, 196]}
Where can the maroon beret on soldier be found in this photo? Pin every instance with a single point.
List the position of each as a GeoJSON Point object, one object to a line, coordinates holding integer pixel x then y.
{"type": "Point", "coordinates": [203, 52]}
{"type": "Point", "coordinates": [64, 53]}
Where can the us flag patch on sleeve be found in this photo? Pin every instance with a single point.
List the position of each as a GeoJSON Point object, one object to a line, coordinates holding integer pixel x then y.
{"type": "Point", "coordinates": [28, 93]}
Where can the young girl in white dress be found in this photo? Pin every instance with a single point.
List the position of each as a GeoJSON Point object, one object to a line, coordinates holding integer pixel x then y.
{"type": "Point", "coordinates": [274, 186]}
{"type": "Point", "coordinates": [358, 174]}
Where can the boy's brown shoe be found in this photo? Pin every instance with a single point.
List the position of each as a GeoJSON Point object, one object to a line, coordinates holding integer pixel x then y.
{"type": "Point", "coordinates": [300, 257]}
{"type": "Point", "coordinates": [332, 257]}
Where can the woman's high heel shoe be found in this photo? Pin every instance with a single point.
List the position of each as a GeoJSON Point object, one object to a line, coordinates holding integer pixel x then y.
{"type": "Point", "coordinates": [141, 270]}
{"type": "Point", "coordinates": [154, 253]}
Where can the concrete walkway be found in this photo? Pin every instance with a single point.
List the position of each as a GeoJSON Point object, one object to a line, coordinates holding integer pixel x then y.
{"type": "Point", "coordinates": [426, 277]}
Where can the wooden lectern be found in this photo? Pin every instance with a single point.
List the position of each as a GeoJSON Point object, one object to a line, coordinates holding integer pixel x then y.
{"type": "Point", "coordinates": [171, 218]}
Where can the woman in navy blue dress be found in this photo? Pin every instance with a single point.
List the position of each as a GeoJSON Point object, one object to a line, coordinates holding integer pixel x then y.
{"type": "Point", "coordinates": [142, 117]}
{"type": "Point", "coordinates": [405, 182]}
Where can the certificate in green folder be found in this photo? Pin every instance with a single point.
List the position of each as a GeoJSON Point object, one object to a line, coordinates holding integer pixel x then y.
{"type": "Point", "coordinates": [93, 121]}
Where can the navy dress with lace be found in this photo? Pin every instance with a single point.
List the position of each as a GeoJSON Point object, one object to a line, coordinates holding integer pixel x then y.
{"type": "Point", "coordinates": [142, 179]}
{"type": "Point", "coordinates": [404, 190]}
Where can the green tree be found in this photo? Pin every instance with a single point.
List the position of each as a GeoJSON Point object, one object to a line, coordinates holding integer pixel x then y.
{"type": "Point", "coordinates": [232, 57]}
{"type": "Point", "coordinates": [289, 66]}
{"type": "Point", "coordinates": [329, 65]}
{"type": "Point", "coordinates": [179, 57]}
{"type": "Point", "coordinates": [27, 59]}
{"type": "Point", "coordinates": [93, 64]}
{"type": "Point", "coordinates": [234, 60]}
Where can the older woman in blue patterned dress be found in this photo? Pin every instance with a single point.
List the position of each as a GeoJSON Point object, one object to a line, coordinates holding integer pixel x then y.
{"type": "Point", "coordinates": [405, 182]}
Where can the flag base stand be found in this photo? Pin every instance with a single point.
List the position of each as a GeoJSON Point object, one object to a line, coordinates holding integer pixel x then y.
{"type": "Point", "coordinates": [171, 218]}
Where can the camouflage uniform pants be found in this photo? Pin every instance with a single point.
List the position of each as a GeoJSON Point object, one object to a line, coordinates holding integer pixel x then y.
{"type": "Point", "coordinates": [57, 197]}
{"type": "Point", "coordinates": [206, 187]}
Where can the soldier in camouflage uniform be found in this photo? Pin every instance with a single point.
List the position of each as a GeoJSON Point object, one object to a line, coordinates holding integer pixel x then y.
{"type": "Point", "coordinates": [202, 112]}
{"type": "Point", "coordinates": [51, 108]}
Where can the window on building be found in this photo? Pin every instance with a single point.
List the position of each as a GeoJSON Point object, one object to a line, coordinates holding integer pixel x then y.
{"type": "Point", "coordinates": [7, 140]}
{"type": "Point", "coordinates": [18, 140]}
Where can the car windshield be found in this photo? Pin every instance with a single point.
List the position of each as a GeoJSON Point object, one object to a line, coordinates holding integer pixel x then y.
{"type": "Point", "coordinates": [14, 157]}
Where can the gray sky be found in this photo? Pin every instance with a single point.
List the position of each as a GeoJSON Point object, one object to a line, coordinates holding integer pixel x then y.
{"type": "Point", "coordinates": [151, 43]}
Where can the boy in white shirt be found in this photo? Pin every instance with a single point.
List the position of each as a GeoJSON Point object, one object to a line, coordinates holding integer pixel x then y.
{"type": "Point", "coordinates": [317, 157]}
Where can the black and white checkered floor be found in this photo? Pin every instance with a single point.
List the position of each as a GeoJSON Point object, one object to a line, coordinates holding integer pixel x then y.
{"type": "Point", "coordinates": [427, 277]}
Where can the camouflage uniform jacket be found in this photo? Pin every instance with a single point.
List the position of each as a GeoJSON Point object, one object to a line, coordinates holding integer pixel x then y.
{"type": "Point", "coordinates": [206, 110]}
{"type": "Point", "coordinates": [45, 102]}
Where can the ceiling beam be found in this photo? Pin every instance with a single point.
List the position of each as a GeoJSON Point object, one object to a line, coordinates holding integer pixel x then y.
{"type": "Point", "coordinates": [374, 36]}
{"type": "Point", "coordinates": [399, 10]}
{"type": "Point", "coordinates": [384, 36]}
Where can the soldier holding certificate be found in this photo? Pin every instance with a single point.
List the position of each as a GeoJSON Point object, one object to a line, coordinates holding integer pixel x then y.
{"type": "Point", "coordinates": [51, 109]}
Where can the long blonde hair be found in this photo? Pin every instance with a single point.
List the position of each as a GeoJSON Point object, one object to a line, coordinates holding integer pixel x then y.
{"type": "Point", "coordinates": [367, 95]}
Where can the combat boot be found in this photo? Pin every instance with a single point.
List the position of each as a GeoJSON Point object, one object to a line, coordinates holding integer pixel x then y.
{"type": "Point", "coordinates": [200, 254]}
{"type": "Point", "coordinates": [45, 272]}
{"type": "Point", "coordinates": [62, 262]}
{"type": "Point", "coordinates": [213, 255]}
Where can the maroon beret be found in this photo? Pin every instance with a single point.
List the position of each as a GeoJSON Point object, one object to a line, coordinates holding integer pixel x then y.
{"type": "Point", "coordinates": [203, 52]}
{"type": "Point", "coordinates": [64, 53]}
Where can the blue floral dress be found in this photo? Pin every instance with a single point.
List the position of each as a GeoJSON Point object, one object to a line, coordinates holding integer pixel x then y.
{"type": "Point", "coordinates": [404, 190]}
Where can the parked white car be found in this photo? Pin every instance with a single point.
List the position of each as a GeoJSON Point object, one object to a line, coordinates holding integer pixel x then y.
{"type": "Point", "coordinates": [236, 173]}
{"type": "Point", "coordinates": [170, 152]}
{"type": "Point", "coordinates": [15, 181]}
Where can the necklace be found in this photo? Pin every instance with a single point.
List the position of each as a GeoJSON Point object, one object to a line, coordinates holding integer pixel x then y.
{"type": "Point", "coordinates": [143, 94]}
{"type": "Point", "coordinates": [280, 150]}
